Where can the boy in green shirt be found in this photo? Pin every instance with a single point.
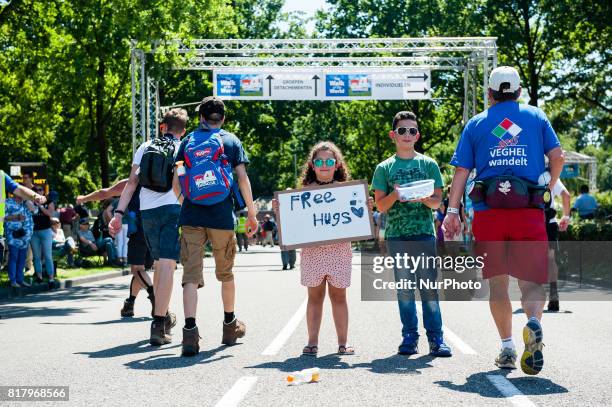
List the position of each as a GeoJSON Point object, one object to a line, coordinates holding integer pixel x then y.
{"type": "Point", "coordinates": [410, 230]}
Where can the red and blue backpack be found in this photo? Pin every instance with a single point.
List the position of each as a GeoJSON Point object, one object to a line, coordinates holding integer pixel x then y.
{"type": "Point", "coordinates": [208, 175]}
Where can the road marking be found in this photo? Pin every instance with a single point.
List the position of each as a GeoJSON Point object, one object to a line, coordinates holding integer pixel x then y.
{"type": "Point", "coordinates": [509, 391]}
{"type": "Point", "coordinates": [286, 332]}
{"type": "Point", "coordinates": [235, 395]}
{"type": "Point", "coordinates": [452, 337]}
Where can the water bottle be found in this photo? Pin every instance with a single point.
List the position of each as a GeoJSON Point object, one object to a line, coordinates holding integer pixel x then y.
{"type": "Point", "coordinates": [304, 376]}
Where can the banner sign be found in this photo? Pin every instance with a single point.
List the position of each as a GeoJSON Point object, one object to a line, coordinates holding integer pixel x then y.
{"type": "Point", "coordinates": [322, 85]}
{"type": "Point", "coordinates": [325, 214]}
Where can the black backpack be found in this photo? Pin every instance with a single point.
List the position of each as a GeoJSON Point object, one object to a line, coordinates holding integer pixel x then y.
{"type": "Point", "coordinates": [157, 164]}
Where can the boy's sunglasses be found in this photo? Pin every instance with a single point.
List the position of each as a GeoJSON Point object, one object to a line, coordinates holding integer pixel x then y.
{"type": "Point", "coordinates": [330, 162]}
{"type": "Point", "coordinates": [407, 130]}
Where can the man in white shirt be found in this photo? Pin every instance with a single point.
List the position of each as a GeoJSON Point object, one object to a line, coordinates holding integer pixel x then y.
{"type": "Point", "coordinates": [159, 212]}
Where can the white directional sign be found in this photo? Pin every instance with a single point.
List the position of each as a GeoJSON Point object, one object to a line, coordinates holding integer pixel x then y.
{"type": "Point", "coordinates": [322, 85]}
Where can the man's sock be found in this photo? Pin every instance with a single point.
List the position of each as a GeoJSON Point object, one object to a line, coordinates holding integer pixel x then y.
{"type": "Point", "coordinates": [229, 317]}
{"type": "Point", "coordinates": [190, 323]}
{"type": "Point", "coordinates": [159, 319]}
{"type": "Point", "coordinates": [508, 343]}
{"type": "Point", "coordinates": [131, 298]}
{"type": "Point", "coordinates": [554, 291]}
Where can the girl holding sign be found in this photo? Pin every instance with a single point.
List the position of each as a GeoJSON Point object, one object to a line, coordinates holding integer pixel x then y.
{"type": "Point", "coordinates": [327, 266]}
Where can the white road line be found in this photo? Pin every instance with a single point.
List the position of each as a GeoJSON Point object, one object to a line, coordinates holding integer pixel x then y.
{"type": "Point", "coordinates": [457, 342]}
{"type": "Point", "coordinates": [235, 395]}
{"type": "Point", "coordinates": [287, 331]}
{"type": "Point", "coordinates": [509, 391]}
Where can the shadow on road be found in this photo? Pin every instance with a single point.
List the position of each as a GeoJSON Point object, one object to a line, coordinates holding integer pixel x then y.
{"type": "Point", "coordinates": [123, 350]}
{"type": "Point", "coordinates": [111, 322]}
{"type": "Point", "coordinates": [176, 361]}
{"type": "Point", "coordinates": [14, 311]}
{"type": "Point", "coordinates": [528, 385]}
{"type": "Point", "coordinates": [391, 364]}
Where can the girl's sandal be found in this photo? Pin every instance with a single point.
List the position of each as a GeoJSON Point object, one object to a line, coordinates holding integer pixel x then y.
{"type": "Point", "coordinates": [310, 350]}
{"type": "Point", "coordinates": [346, 350]}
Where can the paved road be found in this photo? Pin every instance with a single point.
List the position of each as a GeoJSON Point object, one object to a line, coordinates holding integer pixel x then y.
{"type": "Point", "coordinates": [75, 338]}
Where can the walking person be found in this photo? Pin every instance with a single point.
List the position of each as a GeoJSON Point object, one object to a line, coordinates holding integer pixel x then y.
{"type": "Point", "coordinates": [241, 237]}
{"type": "Point", "coordinates": [42, 240]}
{"type": "Point", "coordinates": [410, 231]}
{"type": "Point", "coordinates": [506, 145]}
{"type": "Point", "coordinates": [153, 169]}
{"type": "Point", "coordinates": [327, 267]}
{"type": "Point", "coordinates": [210, 162]}
{"type": "Point", "coordinates": [269, 227]}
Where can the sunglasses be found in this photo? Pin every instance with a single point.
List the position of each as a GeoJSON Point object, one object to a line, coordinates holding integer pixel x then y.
{"type": "Point", "coordinates": [413, 131]}
{"type": "Point", "coordinates": [330, 162]}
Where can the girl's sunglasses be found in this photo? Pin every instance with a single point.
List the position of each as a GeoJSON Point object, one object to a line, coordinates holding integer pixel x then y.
{"type": "Point", "coordinates": [330, 162]}
{"type": "Point", "coordinates": [407, 130]}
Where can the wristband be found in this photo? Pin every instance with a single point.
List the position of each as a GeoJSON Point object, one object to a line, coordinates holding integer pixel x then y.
{"type": "Point", "coordinates": [565, 217]}
{"type": "Point", "coordinates": [120, 212]}
{"type": "Point", "coordinates": [452, 210]}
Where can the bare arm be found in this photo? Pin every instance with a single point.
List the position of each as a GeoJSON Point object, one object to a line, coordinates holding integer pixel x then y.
{"type": "Point", "coordinates": [104, 193]}
{"type": "Point", "coordinates": [29, 195]}
{"type": "Point", "coordinates": [459, 180]}
{"type": "Point", "coordinates": [114, 225]}
{"type": "Point", "coordinates": [384, 202]}
{"type": "Point", "coordinates": [555, 160]}
{"type": "Point", "coordinates": [176, 187]}
{"type": "Point", "coordinates": [48, 211]}
{"type": "Point", "coordinates": [245, 189]}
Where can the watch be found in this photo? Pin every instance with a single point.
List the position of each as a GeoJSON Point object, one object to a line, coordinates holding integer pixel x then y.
{"type": "Point", "coordinates": [450, 209]}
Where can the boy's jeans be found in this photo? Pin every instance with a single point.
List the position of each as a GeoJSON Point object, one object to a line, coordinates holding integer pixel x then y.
{"type": "Point", "coordinates": [417, 246]}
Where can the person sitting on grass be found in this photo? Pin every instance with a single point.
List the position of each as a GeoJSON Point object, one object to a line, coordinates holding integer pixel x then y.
{"type": "Point", "coordinates": [89, 245]}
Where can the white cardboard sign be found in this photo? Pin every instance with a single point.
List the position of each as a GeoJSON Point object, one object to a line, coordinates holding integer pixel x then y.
{"type": "Point", "coordinates": [326, 214]}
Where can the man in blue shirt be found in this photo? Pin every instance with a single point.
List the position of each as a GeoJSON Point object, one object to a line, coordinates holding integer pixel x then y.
{"type": "Point", "coordinates": [214, 222]}
{"type": "Point", "coordinates": [585, 204]}
{"type": "Point", "coordinates": [508, 139]}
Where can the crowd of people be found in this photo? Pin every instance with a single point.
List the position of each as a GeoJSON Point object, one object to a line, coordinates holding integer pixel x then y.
{"type": "Point", "coordinates": [183, 192]}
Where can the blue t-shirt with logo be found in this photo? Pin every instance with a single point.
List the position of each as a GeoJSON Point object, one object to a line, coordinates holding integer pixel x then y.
{"type": "Point", "coordinates": [219, 215]}
{"type": "Point", "coordinates": [507, 139]}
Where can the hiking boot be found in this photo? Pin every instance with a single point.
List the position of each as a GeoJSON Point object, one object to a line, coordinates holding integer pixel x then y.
{"type": "Point", "coordinates": [553, 305]}
{"type": "Point", "coordinates": [128, 309]}
{"type": "Point", "coordinates": [439, 348]}
{"type": "Point", "coordinates": [169, 322]}
{"type": "Point", "coordinates": [232, 331]}
{"type": "Point", "coordinates": [532, 360]}
{"type": "Point", "coordinates": [409, 345]}
{"type": "Point", "coordinates": [506, 359]}
{"type": "Point", "coordinates": [191, 342]}
{"type": "Point", "coordinates": [158, 334]}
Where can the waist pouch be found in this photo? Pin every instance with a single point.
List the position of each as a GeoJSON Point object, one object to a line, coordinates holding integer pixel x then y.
{"type": "Point", "coordinates": [510, 192]}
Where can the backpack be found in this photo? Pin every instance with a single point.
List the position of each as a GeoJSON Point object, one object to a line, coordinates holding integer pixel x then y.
{"type": "Point", "coordinates": [208, 177]}
{"type": "Point", "coordinates": [157, 164]}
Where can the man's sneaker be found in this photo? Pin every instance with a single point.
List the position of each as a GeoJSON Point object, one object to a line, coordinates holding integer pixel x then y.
{"type": "Point", "coordinates": [438, 348]}
{"type": "Point", "coordinates": [169, 322]}
{"type": "Point", "coordinates": [158, 334]}
{"type": "Point", "coordinates": [532, 360]}
{"type": "Point", "coordinates": [128, 309]}
{"type": "Point", "coordinates": [409, 345]}
{"type": "Point", "coordinates": [25, 284]}
{"type": "Point", "coordinates": [15, 285]}
{"type": "Point", "coordinates": [506, 359]}
{"type": "Point", "coordinates": [233, 331]}
{"type": "Point", "coordinates": [191, 342]}
{"type": "Point", "coordinates": [553, 305]}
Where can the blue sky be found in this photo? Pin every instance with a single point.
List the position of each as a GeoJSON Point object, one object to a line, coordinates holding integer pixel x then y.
{"type": "Point", "coordinates": [308, 6]}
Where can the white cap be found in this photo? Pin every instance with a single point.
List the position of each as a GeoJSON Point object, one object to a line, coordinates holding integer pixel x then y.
{"type": "Point", "coordinates": [503, 74]}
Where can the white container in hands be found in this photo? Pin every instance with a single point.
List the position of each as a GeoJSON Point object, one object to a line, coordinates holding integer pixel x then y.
{"type": "Point", "coordinates": [416, 190]}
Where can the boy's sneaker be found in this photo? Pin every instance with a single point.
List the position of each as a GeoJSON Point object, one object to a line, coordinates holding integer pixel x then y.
{"type": "Point", "coordinates": [191, 342]}
{"type": "Point", "coordinates": [128, 309]}
{"type": "Point", "coordinates": [233, 331]}
{"type": "Point", "coordinates": [409, 345]}
{"type": "Point", "coordinates": [24, 284]}
{"type": "Point", "coordinates": [532, 360]}
{"type": "Point", "coordinates": [158, 334]}
{"type": "Point", "coordinates": [506, 359]}
{"type": "Point", "coordinates": [169, 322]}
{"type": "Point", "coordinates": [439, 348]}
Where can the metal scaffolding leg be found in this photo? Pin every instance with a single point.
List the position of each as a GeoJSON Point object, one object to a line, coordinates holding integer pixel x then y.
{"type": "Point", "coordinates": [152, 108]}
{"type": "Point", "coordinates": [138, 98]}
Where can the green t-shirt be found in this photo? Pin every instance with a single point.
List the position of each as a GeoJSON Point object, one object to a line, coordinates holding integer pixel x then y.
{"type": "Point", "coordinates": [407, 218]}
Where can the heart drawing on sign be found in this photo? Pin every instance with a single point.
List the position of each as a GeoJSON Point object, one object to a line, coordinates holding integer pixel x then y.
{"type": "Point", "coordinates": [357, 212]}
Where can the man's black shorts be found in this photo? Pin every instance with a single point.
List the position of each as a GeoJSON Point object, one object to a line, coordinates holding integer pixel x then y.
{"type": "Point", "coordinates": [138, 252]}
{"type": "Point", "coordinates": [552, 230]}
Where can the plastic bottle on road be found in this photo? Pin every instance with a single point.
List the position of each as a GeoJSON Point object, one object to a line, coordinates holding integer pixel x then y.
{"type": "Point", "coordinates": [304, 376]}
